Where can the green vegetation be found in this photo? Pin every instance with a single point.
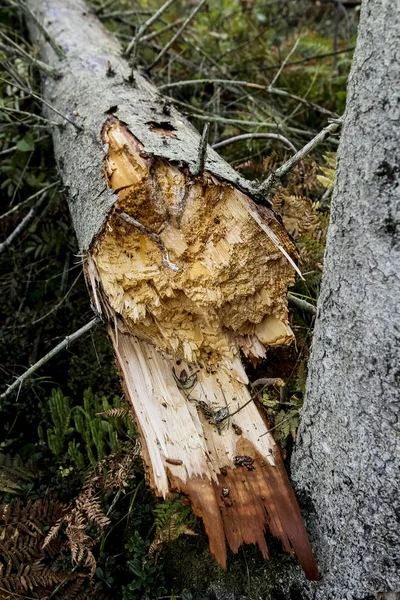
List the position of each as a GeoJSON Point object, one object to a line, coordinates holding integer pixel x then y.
{"type": "Point", "coordinates": [76, 517]}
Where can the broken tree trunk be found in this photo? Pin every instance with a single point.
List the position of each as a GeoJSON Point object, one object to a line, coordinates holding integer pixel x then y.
{"type": "Point", "coordinates": [187, 271]}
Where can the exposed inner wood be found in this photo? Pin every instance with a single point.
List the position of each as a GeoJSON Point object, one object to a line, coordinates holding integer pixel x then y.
{"type": "Point", "coordinates": [188, 279]}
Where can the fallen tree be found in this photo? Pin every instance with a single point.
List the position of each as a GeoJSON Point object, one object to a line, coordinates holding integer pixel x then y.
{"type": "Point", "coordinates": [186, 270]}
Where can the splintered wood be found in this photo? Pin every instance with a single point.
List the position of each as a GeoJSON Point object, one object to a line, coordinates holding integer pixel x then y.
{"type": "Point", "coordinates": [188, 279]}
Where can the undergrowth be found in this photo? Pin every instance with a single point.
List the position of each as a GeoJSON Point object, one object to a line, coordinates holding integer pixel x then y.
{"type": "Point", "coordinates": [76, 517]}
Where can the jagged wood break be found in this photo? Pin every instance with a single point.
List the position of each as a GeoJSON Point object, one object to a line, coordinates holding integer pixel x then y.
{"type": "Point", "coordinates": [187, 279]}
{"type": "Point", "coordinates": [187, 272]}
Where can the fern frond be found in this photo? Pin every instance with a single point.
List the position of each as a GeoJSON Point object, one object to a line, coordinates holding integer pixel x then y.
{"type": "Point", "coordinates": [93, 510]}
{"type": "Point", "coordinates": [172, 519]}
{"type": "Point", "coordinates": [13, 471]}
{"type": "Point", "coordinates": [120, 412]}
{"type": "Point", "coordinates": [51, 536]}
{"type": "Point", "coordinates": [328, 176]}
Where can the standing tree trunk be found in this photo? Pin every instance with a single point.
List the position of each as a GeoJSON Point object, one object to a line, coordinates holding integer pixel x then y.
{"type": "Point", "coordinates": [347, 461]}
{"type": "Point", "coordinates": [187, 272]}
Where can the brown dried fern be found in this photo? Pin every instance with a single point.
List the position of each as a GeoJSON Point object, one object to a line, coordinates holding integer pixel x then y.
{"type": "Point", "coordinates": [13, 471]}
{"type": "Point", "coordinates": [24, 568]}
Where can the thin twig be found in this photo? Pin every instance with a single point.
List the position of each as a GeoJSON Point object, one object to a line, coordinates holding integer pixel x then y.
{"type": "Point", "coordinates": [30, 93]}
{"type": "Point", "coordinates": [270, 90]}
{"type": "Point", "coordinates": [57, 49]}
{"type": "Point", "coordinates": [302, 304]}
{"type": "Point", "coordinates": [35, 61]}
{"type": "Point", "coordinates": [154, 34]}
{"type": "Point", "coordinates": [266, 187]}
{"type": "Point", "coordinates": [22, 204]}
{"type": "Point", "coordinates": [132, 46]}
{"type": "Point", "coordinates": [258, 136]}
{"type": "Point", "coordinates": [295, 412]}
{"type": "Point", "coordinates": [23, 225]}
{"type": "Point", "coordinates": [177, 34]}
{"type": "Point", "coordinates": [57, 306]}
{"type": "Point", "coordinates": [308, 58]}
{"type": "Point", "coordinates": [243, 123]}
{"type": "Point", "coordinates": [105, 5]}
{"type": "Point", "coordinates": [8, 109]}
{"type": "Point", "coordinates": [275, 79]}
{"type": "Point", "coordinates": [61, 346]}
{"type": "Point", "coordinates": [13, 148]}
{"type": "Point", "coordinates": [268, 383]}
{"type": "Point", "coordinates": [278, 92]}
{"type": "Point", "coordinates": [202, 152]}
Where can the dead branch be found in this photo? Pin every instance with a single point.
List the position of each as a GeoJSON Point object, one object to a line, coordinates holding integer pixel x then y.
{"type": "Point", "coordinates": [70, 339]}
{"type": "Point", "coordinates": [268, 185]}
{"type": "Point", "coordinates": [132, 46]}
{"type": "Point", "coordinates": [177, 34]}
{"type": "Point", "coordinates": [23, 225]}
{"type": "Point", "coordinates": [302, 304]}
{"type": "Point", "coordinates": [256, 136]}
{"type": "Point", "coordinates": [25, 202]}
{"type": "Point", "coordinates": [21, 4]}
{"type": "Point", "coordinates": [38, 63]}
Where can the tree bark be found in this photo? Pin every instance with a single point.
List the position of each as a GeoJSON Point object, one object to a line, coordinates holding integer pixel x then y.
{"type": "Point", "coordinates": [187, 271]}
{"type": "Point", "coordinates": [347, 461]}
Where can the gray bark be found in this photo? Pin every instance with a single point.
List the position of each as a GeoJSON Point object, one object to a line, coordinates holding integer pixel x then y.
{"type": "Point", "coordinates": [96, 82]}
{"type": "Point", "coordinates": [347, 461]}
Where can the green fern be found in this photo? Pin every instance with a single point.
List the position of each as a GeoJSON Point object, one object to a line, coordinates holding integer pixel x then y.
{"type": "Point", "coordinates": [172, 519]}
{"type": "Point", "coordinates": [61, 416]}
{"type": "Point", "coordinates": [89, 432]}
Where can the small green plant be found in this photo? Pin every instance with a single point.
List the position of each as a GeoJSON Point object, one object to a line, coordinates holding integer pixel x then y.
{"type": "Point", "coordinates": [172, 519]}
{"type": "Point", "coordinates": [284, 416]}
{"type": "Point", "coordinates": [86, 434]}
{"type": "Point", "coordinates": [148, 581]}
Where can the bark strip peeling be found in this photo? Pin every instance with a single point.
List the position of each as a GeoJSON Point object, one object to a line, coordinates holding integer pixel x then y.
{"type": "Point", "coordinates": [188, 272]}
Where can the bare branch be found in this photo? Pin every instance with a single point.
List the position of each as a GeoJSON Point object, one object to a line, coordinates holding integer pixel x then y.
{"type": "Point", "coordinates": [30, 93]}
{"type": "Point", "coordinates": [269, 89]}
{"type": "Point", "coordinates": [22, 204]}
{"type": "Point", "coordinates": [257, 136]}
{"type": "Point", "coordinates": [218, 119]}
{"type": "Point", "coordinates": [154, 34]}
{"type": "Point", "coordinates": [275, 79]}
{"type": "Point", "coordinates": [14, 148]}
{"type": "Point", "coordinates": [132, 46]}
{"type": "Point", "coordinates": [23, 225]}
{"type": "Point", "coordinates": [57, 306]}
{"type": "Point", "coordinates": [290, 416]}
{"type": "Point", "coordinates": [35, 61]}
{"type": "Point", "coordinates": [8, 109]}
{"type": "Point", "coordinates": [177, 34]}
{"type": "Point", "coordinates": [57, 49]}
{"type": "Point", "coordinates": [61, 346]}
{"type": "Point", "coordinates": [302, 304]}
{"type": "Point", "coordinates": [266, 187]}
